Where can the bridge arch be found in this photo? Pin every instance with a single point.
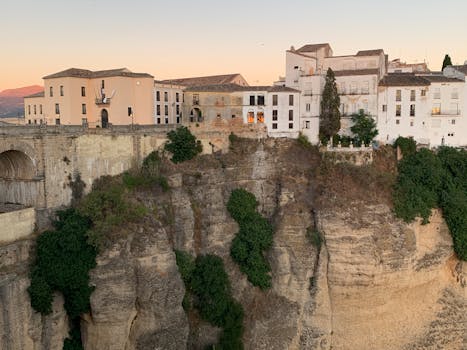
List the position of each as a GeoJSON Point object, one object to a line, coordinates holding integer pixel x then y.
{"type": "Point", "coordinates": [16, 165]}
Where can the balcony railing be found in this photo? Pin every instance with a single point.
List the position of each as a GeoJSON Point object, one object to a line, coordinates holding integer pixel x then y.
{"type": "Point", "coordinates": [445, 113]}
{"type": "Point", "coordinates": [354, 92]}
{"type": "Point", "coordinates": [103, 101]}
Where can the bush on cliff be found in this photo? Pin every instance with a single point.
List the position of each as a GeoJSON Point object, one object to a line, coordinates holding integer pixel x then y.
{"type": "Point", "coordinates": [428, 180]}
{"type": "Point", "coordinates": [254, 237]}
{"type": "Point", "coordinates": [182, 144]}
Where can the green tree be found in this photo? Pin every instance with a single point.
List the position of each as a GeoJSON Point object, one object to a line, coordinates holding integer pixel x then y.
{"type": "Point", "coordinates": [182, 144]}
{"type": "Point", "coordinates": [446, 61]}
{"type": "Point", "coordinates": [364, 127]}
{"type": "Point", "coordinates": [330, 118]}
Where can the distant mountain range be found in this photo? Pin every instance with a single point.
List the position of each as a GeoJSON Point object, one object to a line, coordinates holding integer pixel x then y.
{"type": "Point", "coordinates": [11, 100]}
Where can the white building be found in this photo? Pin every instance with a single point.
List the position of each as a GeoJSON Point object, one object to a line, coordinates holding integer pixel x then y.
{"type": "Point", "coordinates": [168, 103]}
{"type": "Point", "coordinates": [426, 107]}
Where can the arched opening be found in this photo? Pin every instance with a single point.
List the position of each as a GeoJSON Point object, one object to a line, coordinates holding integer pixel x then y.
{"type": "Point", "coordinates": [104, 118]}
{"type": "Point", "coordinates": [196, 115]}
{"type": "Point", "coordinates": [15, 165]}
{"type": "Point", "coordinates": [19, 185]}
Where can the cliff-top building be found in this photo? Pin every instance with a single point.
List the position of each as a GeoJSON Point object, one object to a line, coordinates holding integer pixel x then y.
{"type": "Point", "coordinates": [97, 99]}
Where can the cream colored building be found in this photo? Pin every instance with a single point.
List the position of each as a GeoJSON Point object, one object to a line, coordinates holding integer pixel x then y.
{"type": "Point", "coordinates": [97, 99]}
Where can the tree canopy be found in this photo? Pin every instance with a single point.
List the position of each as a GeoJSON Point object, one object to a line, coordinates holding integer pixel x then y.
{"type": "Point", "coordinates": [330, 118]}
{"type": "Point", "coordinates": [364, 127]}
{"type": "Point", "coordinates": [446, 61]}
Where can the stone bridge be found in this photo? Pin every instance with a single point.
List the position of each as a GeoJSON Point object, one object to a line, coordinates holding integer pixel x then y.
{"type": "Point", "coordinates": [37, 164]}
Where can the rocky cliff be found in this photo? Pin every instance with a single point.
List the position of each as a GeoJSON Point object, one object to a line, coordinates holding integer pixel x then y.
{"type": "Point", "coordinates": [374, 282]}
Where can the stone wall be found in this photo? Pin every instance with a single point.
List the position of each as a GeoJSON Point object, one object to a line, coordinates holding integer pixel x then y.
{"type": "Point", "coordinates": [16, 224]}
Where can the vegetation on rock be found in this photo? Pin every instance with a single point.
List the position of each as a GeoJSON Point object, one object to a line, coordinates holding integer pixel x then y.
{"type": "Point", "coordinates": [430, 180]}
{"type": "Point", "coordinates": [254, 237]}
{"type": "Point", "coordinates": [407, 145]}
{"type": "Point", "coordinates": [205, 278]}
{"type": "Point", "coordinates": [182, 144]}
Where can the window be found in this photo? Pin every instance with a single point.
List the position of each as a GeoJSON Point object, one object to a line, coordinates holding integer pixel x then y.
{"type": "Point", "coordinates": [274, 125]}
{"type": "Point", "coordinates": [51, 91]}
{"type": "Point", "coordinates": [252, 100]}
{"type": "Point", "coordinates": [261, 100]}
{"type": "Point", "coordinates": [385, 108]}
{"type": "Point", "coordinates": [40, 109]}
{"type": "Point", "coordinates": [158, 96]}
{"type": "Point", "coordinates": [453, 121]}
{"type": "Point", "coordinates": [83, 108]}
{"type": "Point", "coordinates": [29, 121]}
{"type": "Point", "coordinates": [57, 121]}
{"type": "Point", "coordinates": [158, 120]}
{"type": "Point", "coordinates": [260, 117]}
{"type": "Point", "coordinates": [274, 114]}
{"type": "Point", "coordinates": [196, 99]}
{"type": "Point", "coordinates": [166, 120]}
{"type": "Point", "coordinates": [398, 121]}
{"type": "Point", "coordinates": [29, 109]}
{"type": "Point", "coordinates": [84, 121]}
{"type": "Point", "coordinates": [437, 93]}
{"type": "Point", "coordinates": [102, 84]}
{"type": "Point", "coordinates": [166, 110]}
{"type": "Point", "coordinates": [177, 109]}
{"type": "Point", "coordinates": [398, 110]}
{"type": "Point", "coordinates": [307, 124]}
{"type": "Point", "coordinates": [398, 95]}
{"type": "Point", "coordinates": [178, 120]}
{"type": "Point", "coordinates": [290, 125]}
{"type": "Point", "coordinates": [412, 95]}
{"type": "Point", "coordinates": [365, 88]}
{"type": "Point", "coordinates": [353, 87]}
{"type": "Point", "coordinates": [83, 91]}
{"type": "Point", "coordinates": [290, 100]}
{"type": "Point", "coordinates": [166, 96]}
{"type": "Point", "coordinates": [251, 117]}
{"type": "Point", "coordinates": [436, 110]}
{"type": "Point", "coordinates": [274, 100]}
{"type": "Point", "coordinates": [158, 110]}
{"type": "Point", "coordinates": [35, 110]}
{"type": "Point", "coordinates": [35, 121]}
{"type": "Point", "coordinates": [308, 107]}
{"type": "Point", "coordinates": [411, 123]}
{"type": "Point", "coordinates": [454, 108]}
{"type": "Point", "coordinates": [61, 90]}
{"type": "Point", "coordinates": [57, 108]}
{"type": "Point", "coordinates": [177, 97]}
{"type": "Point", "coordinates": [412, 110]}
{"type": "Point", "coordinates": [291, 115]}
{"type": "Point", "coordinates": [423, 93]}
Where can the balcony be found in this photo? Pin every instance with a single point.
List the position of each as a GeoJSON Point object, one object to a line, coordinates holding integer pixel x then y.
{"type": "Point", "coordinates": [307, 93]}
{"type": "Point", "coordinates": [354, 92]}
{"type": "Point", "coordinates": [103, 101]}
{"type": "Point", "coordinates": [439, 113]}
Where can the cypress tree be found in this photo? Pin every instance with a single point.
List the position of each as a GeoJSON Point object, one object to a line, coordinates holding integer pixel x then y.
{"type": "Point", "coordinates": [330, 118]}
{"type": "Point", "coordinates": [446, 62]}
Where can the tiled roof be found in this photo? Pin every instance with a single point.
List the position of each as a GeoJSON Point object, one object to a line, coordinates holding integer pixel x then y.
{"type": "Point", "coordinates": [238, 88]}
{"type": "Point", "coordinates": [313, 47]}
{"type": "Point", "coordinates": [340, 73]}
{"type": "Point", "coordinates": [462, 68]}
{"type": "Point", "coordinates": [208, 80]}
{"type": "Point", "coordinates": [37, 94]}
{"type": "Point", "coordinates": [376, 52]}
{"type": "Point", "coordinates": [84, 73]}
{"type": "Point", "coordinates": [403, 79]}
{"type": "Point", "coordinates": [440, 79]}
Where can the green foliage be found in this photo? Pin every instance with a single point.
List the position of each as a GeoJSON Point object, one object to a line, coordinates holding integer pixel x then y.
{"type": "Point", "coordinates": [182, 144]}
{"type": "Point", "coordinates": [73, 342]}
{"type": "Point", "coordinates": [364, 127]}
{"type": "Point", "coordinates": [207, 280]}
{"type": "Point", "coordinates": [63, 261]}
{"type": "Point", "coordinates": [107, 206]}
{"type": "Point", "coordinates": [148, 176]}
{"type": "Point", "coordinates": [427, 180]}
{"type": "Point", "coordinates": [418, 185]}
{"type": "Point", "coordinates": [330, 118]}
{"type": "Point", "coordinates": [315, 238]}
{"type": "Point", "coordinates": [446, 62]}
{"type": "Point", "coordinates": [407, 145]}
{"type": "Point", "coordinates": [233, 138]}
{"type": "Point", "coordinates": [254, 237]}
{"type": "Point", "coordinates": [303, 141]}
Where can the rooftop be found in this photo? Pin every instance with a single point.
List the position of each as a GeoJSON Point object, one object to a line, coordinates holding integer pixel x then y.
{"type": "Point", "coordinates": [313, 47]}
{"type": "Point", "coordinates": [84, 73]}
{"type": "Point", "coordinates": [403, 79]}
{"type": "Point", "coordinates": [440, 79]}
{"type": "Point", "coordinates": [462, 68]}
{"type": "Point", "coordinates": [238, 88]}
{"type": "Point", "coordinates": [341, 73]}
{"type": "Point", "coordinates": [376, 52]}
{"type": "Point", "coordinates": [207, 80]}
{"type": "Point", "coordinates": [37, 94]}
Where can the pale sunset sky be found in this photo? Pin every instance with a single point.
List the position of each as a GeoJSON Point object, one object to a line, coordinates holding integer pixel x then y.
{"type": "Point", "coordinates": [174, 38]}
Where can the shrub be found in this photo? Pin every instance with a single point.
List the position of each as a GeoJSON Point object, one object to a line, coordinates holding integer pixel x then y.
{"type": "Point", "coordinates": [255, 235]}
{"type": "Point", "coordinates": [407, 145]}
{"type": "Point", "coordinates": [303, 141]}
{"type": "Point", "coordinates": [315, 238]}
{"type": "Point", "coordinates": [182, 144]}
{"type": "Point", "coordinates": [364, 127]}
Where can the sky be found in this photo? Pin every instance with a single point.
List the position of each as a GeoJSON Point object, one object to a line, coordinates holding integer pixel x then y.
{"type": "Point", "coordinates": [175, 39]}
